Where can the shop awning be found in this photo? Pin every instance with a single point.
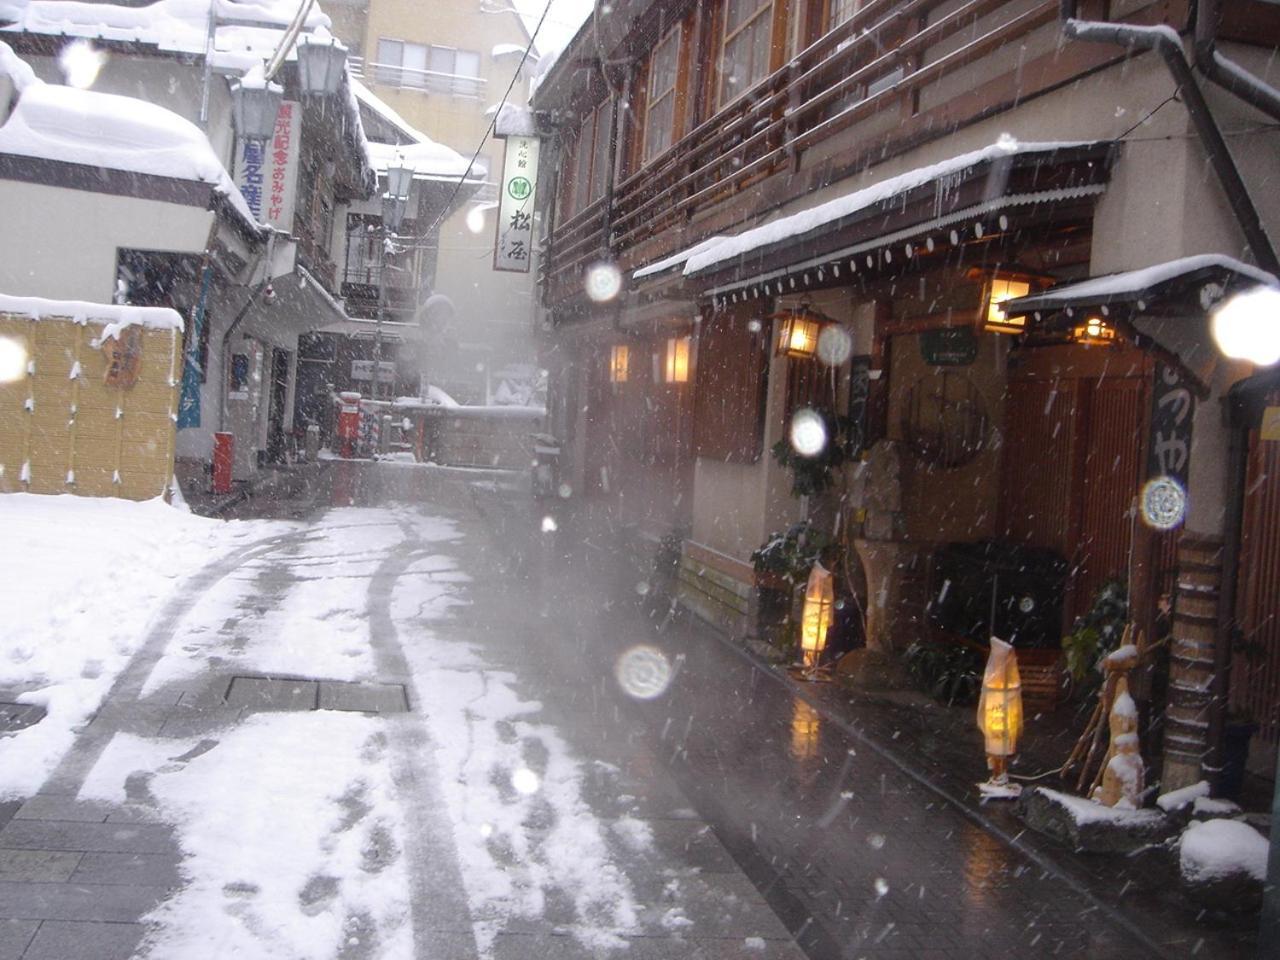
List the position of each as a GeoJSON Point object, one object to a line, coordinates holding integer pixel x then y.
{"type": "Point", "coordinates": [921, 211]}
{"type": "Point", "coordinates": [1191, 284]}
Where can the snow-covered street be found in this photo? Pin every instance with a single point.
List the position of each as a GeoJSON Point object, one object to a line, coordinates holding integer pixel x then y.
{"type": "Point", "coordinates": [466, 825]}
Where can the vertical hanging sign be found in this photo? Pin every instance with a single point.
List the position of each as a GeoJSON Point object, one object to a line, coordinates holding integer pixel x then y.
{"type": "Point", "coordinates": [1172, 406]}
{"type": "Point", "coordinates": [267, 173]}
{"type": "Point", "coordinates": [513, 246]}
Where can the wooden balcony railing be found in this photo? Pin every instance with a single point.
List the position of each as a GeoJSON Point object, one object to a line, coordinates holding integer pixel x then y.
{"type": "Point", "coordinates": [821, 94]}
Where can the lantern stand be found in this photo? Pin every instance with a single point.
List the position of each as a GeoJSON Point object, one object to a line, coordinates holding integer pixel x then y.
{"type": "Point", "coordinates": [815, 622]}
{"type": "Point", "coordinates": [394, 203]}
{"type": "Point", "coordinates": [1000, 719]}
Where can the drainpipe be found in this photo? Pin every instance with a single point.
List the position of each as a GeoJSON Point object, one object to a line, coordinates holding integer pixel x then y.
{"type": "Point", "coordinates": [1165, 42]}
{"type": "Point", "coordinates": [1224, 72]}
{"type": "Point", "coordinates": [239, 317]}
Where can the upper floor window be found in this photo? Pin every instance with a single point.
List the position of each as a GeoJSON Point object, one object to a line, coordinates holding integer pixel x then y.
{"type": "Point", "coordinates": [591, 158]}
{"type": "Point", "coordinates": [660, 112]}
{"type": "Point", "coordinates": [422, 67]}
{"type": "Point", "coordinates": [744, 52]}
{"type": "Point", "coordinates": [842, 10]}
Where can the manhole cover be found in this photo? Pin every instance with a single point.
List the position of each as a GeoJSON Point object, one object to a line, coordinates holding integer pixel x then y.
{"type": "Point", "coordinates": [300, 693]}
{"type": "Point", "coordinates": [19, 716]}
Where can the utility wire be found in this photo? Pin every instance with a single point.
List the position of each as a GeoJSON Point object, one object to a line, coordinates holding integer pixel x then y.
{"type": "Point", "coordinates": [492, 123]}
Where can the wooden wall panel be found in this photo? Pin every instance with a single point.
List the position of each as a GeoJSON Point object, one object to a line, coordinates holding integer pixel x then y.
{"type": "Point", "coordinates": [1039, 434]}
{"type": "Point", "coordinates": [731, 383]}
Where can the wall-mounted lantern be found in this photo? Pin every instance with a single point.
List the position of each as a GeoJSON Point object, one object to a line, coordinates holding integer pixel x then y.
{"type": "Point", "coordinates": [999, 288]}
{"type": "Point", "coordinates": [677, 366]}
{"type": "Point", "coordinates": [815, 621]}
{"type": "Point", "coordinates": [255, 101]}
{"type": "Point", "coordinates": [619, 363]}
{"type": "Point", "coordinates": [1094, 330]}
{"type": "Point", "coordinates": [798, 331]}
{"type": "Point", "coordinates": [1000, 717]}
{"type": "Point", "coordinates": [321, 62]}
{"type": "Point", "coordinates": [399, 178]}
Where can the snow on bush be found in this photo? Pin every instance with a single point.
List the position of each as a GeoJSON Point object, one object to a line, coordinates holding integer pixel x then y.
{"type": "Point", "coordinates": [1220, 848]}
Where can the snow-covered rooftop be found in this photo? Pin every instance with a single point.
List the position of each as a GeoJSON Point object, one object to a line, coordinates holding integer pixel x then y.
{"type": "Point", "coordinates": [54, 122]}
{"type": "Point", "coordinates": [798, 224]}
{"type": "Point", "coordinates": [1131, 283]}
{"type": "Point", "coordinates": [247, 32]}
{"type": "Point", "coordinates": [15, 68]}
{"type": "Point", "coordinates": [430, 160]}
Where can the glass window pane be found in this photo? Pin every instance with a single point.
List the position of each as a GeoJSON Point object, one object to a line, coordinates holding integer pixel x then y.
{"type": "Point", "coordinates": [415, 64]}
{"type": "Point", "coordinates": [600, 166]}
{"type": "Point", "coordinates": [389, 54]}
{"type": "Point", "coordinates": [467, 63]}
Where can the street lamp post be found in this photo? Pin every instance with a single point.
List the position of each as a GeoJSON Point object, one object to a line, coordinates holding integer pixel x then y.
{"type": "Point", "coordinates": [394, 202]}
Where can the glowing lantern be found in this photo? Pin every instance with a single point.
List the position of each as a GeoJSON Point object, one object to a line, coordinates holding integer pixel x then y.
{"type": "Point", "coordinates": [619, 360]}
{"type": "Point", "coordinates": [819, 600]}
{"type": "Point", "coordinates": [999, 289]}
{"type": "Point", "coordinates": [1000, 716]}
{"type": "Point", "coordinates": [1094, 330]}
{"type": "Point", "coordinates": [798, 332]}
{"type": "Point", "coordinates": [677, 370]}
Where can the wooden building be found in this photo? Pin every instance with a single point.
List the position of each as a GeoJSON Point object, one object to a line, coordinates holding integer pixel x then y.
{"type": "Point", "coordinates": [1017, 222]}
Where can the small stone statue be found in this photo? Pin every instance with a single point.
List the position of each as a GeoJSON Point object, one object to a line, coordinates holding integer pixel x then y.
{"type": "Point", "coordinates": [1123, 774]}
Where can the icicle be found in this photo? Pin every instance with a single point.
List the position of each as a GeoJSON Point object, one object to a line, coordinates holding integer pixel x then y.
{"type": "Point", "coordinates": [822, 275]}
{"type": "Point", "coordinates": [1004, 222]}
{"type": "Point", "coordinates": [24, 476]}
{"type": "Point", "coordinates": [115, 477]}
{"type": "Point", "coordinates": [71, 476]}
{"type": "Point", "coordinates": [909, 251]}
{"type": "Point", "coordinates": [31, 368]}
{"type": "Point", "coordinates": [792, 281]}
{"type": "Point", "coordinates": [928, 244]}
{"type": "Point", "coordinates": [955, 238]}
{"type": "Point", "coordinates": [888, 255]}
{"type": "Point", "coordinates": [977, 230]}
{"type": "Point", "coordinates": [29, 405]}
{"type": "Point", "coordinates": [807, 279]}
{"type": "Point", "coordinates": [835, 269]}
{"type": "Point", "coordinates": [75, 371]}
{"type": "Point", "coordinates": [119, 413]}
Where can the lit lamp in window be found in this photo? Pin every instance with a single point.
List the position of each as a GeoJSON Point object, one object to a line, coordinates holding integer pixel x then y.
{"type": "Point", "coordinates": [798, 332]}
{"type": "Point", "coordinates": [999, 289]}
{"type": "Point", "coordinates": [619, 359]}
{"type": "Point", "coordinates": [1093, 330]}
{"type": "Point", "coordinates": [815, 621]}
{"type": "Point", "coordinates": [677, 368]}
{"type": "Point", "coordinates": [1000, 717]}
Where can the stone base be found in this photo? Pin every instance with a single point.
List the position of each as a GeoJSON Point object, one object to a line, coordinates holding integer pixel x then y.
{"type": "Point", "coordinates": [1092, 828]}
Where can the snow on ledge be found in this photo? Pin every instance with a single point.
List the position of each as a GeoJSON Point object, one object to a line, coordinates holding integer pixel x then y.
{"type": "Point", "coordinates": [15, 68]}
{"type": "Point", "coordinates": [114, 316]}
{"type": "Point", "coordinates": [806, 221]}
{"type": "Point", "coordinates": [1083, 811]}
{"type": "Point", "coordinates": [1220, 848]}
{"type": "Point", "coordinates": [1178, 799]}
{"type": "Point", "coordinates": [1133, 282]}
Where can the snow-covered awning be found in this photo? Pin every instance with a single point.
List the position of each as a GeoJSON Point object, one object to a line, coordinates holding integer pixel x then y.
{"type": "Point", "coordinates": [898, 211]}
{"type": "Point", "coordinates": [1200, 280]}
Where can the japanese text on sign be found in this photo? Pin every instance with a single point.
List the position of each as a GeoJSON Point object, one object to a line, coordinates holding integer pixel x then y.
{"type": "Point", "coordinates": [513, 246]}
{"type": "Point", "coordinates": [1172, 406]}
{"type": "Point", "coordinates": [267, 173]}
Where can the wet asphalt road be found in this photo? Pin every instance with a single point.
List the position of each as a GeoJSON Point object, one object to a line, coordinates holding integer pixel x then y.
{"type": "Point", "coordinates": [854, 855]}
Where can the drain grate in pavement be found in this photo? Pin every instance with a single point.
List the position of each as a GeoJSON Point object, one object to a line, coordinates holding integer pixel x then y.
{"type": "Point", "coordinates": [300, 693]}
{"type": "Point", "coordinates": [19, 716]}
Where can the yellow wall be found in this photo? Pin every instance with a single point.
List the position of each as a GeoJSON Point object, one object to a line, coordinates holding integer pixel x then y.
{"type": "Point", "coordinates": [77, 434]}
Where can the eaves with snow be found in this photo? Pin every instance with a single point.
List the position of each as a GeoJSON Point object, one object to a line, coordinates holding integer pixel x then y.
{"type": "Point", "coordinates": [430, 160]}
{"type": "Point", "coordinates": [102, 131]}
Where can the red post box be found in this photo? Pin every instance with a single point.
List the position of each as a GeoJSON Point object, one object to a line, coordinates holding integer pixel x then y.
{"type": "Point", "coordinates": [348, 423]}
{"type": "Point", "coordinates": [223, 458]}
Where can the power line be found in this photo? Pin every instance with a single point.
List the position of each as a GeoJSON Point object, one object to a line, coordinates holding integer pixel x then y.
{"type": "Point", "coordinates": [492, 123]}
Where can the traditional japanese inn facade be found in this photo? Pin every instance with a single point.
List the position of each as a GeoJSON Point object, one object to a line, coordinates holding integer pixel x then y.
{"type": "Point", "coordinates": [1020, 215]}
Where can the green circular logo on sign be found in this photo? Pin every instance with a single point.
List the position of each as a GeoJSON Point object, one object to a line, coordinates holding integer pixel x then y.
{"type": "Point", "coordinates": [519, 188]}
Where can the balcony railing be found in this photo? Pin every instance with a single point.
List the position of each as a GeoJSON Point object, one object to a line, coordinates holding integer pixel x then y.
{"type": "Point", "coordinates": [890, 56]}
{"type": "Point", "coordinates": [413, 78]}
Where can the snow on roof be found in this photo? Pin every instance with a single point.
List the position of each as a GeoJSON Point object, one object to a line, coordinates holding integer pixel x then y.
{"type": "Point", "coordinates": [430, 160]}
{"type": "Point", "coordinates": [806, 221]}
{"type": "Point", "coordinates": [15, 68]}
{"type": "Point", "coordinates": [1133, 282]}
{"type": "Point", "coordinates": [510, 49]}
{"type": "Point", "coordinates": [1219, 848]}
{"type": "Point", "coordinates": [676, 259]}
{"type": "Point", "coordinates": [513, 120]}
{"type": "Point", "coordinates": [247, 32]}
{"type": "Point", "coordinates": [111, 314]}
{"type": "Point", "coordinates": [53, 122]}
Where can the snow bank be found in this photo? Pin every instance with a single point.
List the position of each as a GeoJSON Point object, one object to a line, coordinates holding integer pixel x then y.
{"type": "Point", "coordinates": [805, 221]}
{"type": "Point", "coordinates": [1085, 811]}
{"type": "Point", "coordinates": [1219, 848]}
{"type": "Point", "coordinates": [53, 122]}
{"type": "Point", "coordinates": [86, 577]}
{"type": "Point", "coordinates": [114, 315]}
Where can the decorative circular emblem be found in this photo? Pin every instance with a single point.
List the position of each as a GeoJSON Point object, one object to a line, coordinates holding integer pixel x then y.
{"type": "Point", "coordinates": [1027, 604]}
{"type": "Point", "coordinates": [1164, 503]}
{"type": "Point", "coordinates": [519, 188]}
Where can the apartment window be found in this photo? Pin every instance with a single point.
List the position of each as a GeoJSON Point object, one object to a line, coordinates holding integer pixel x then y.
{"type": "Point", "coordinates": [434, 69]}
{"type": "Point", "coordinates": [744, 54]}
{"type": "Point", "coordinates": [660, 113]}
